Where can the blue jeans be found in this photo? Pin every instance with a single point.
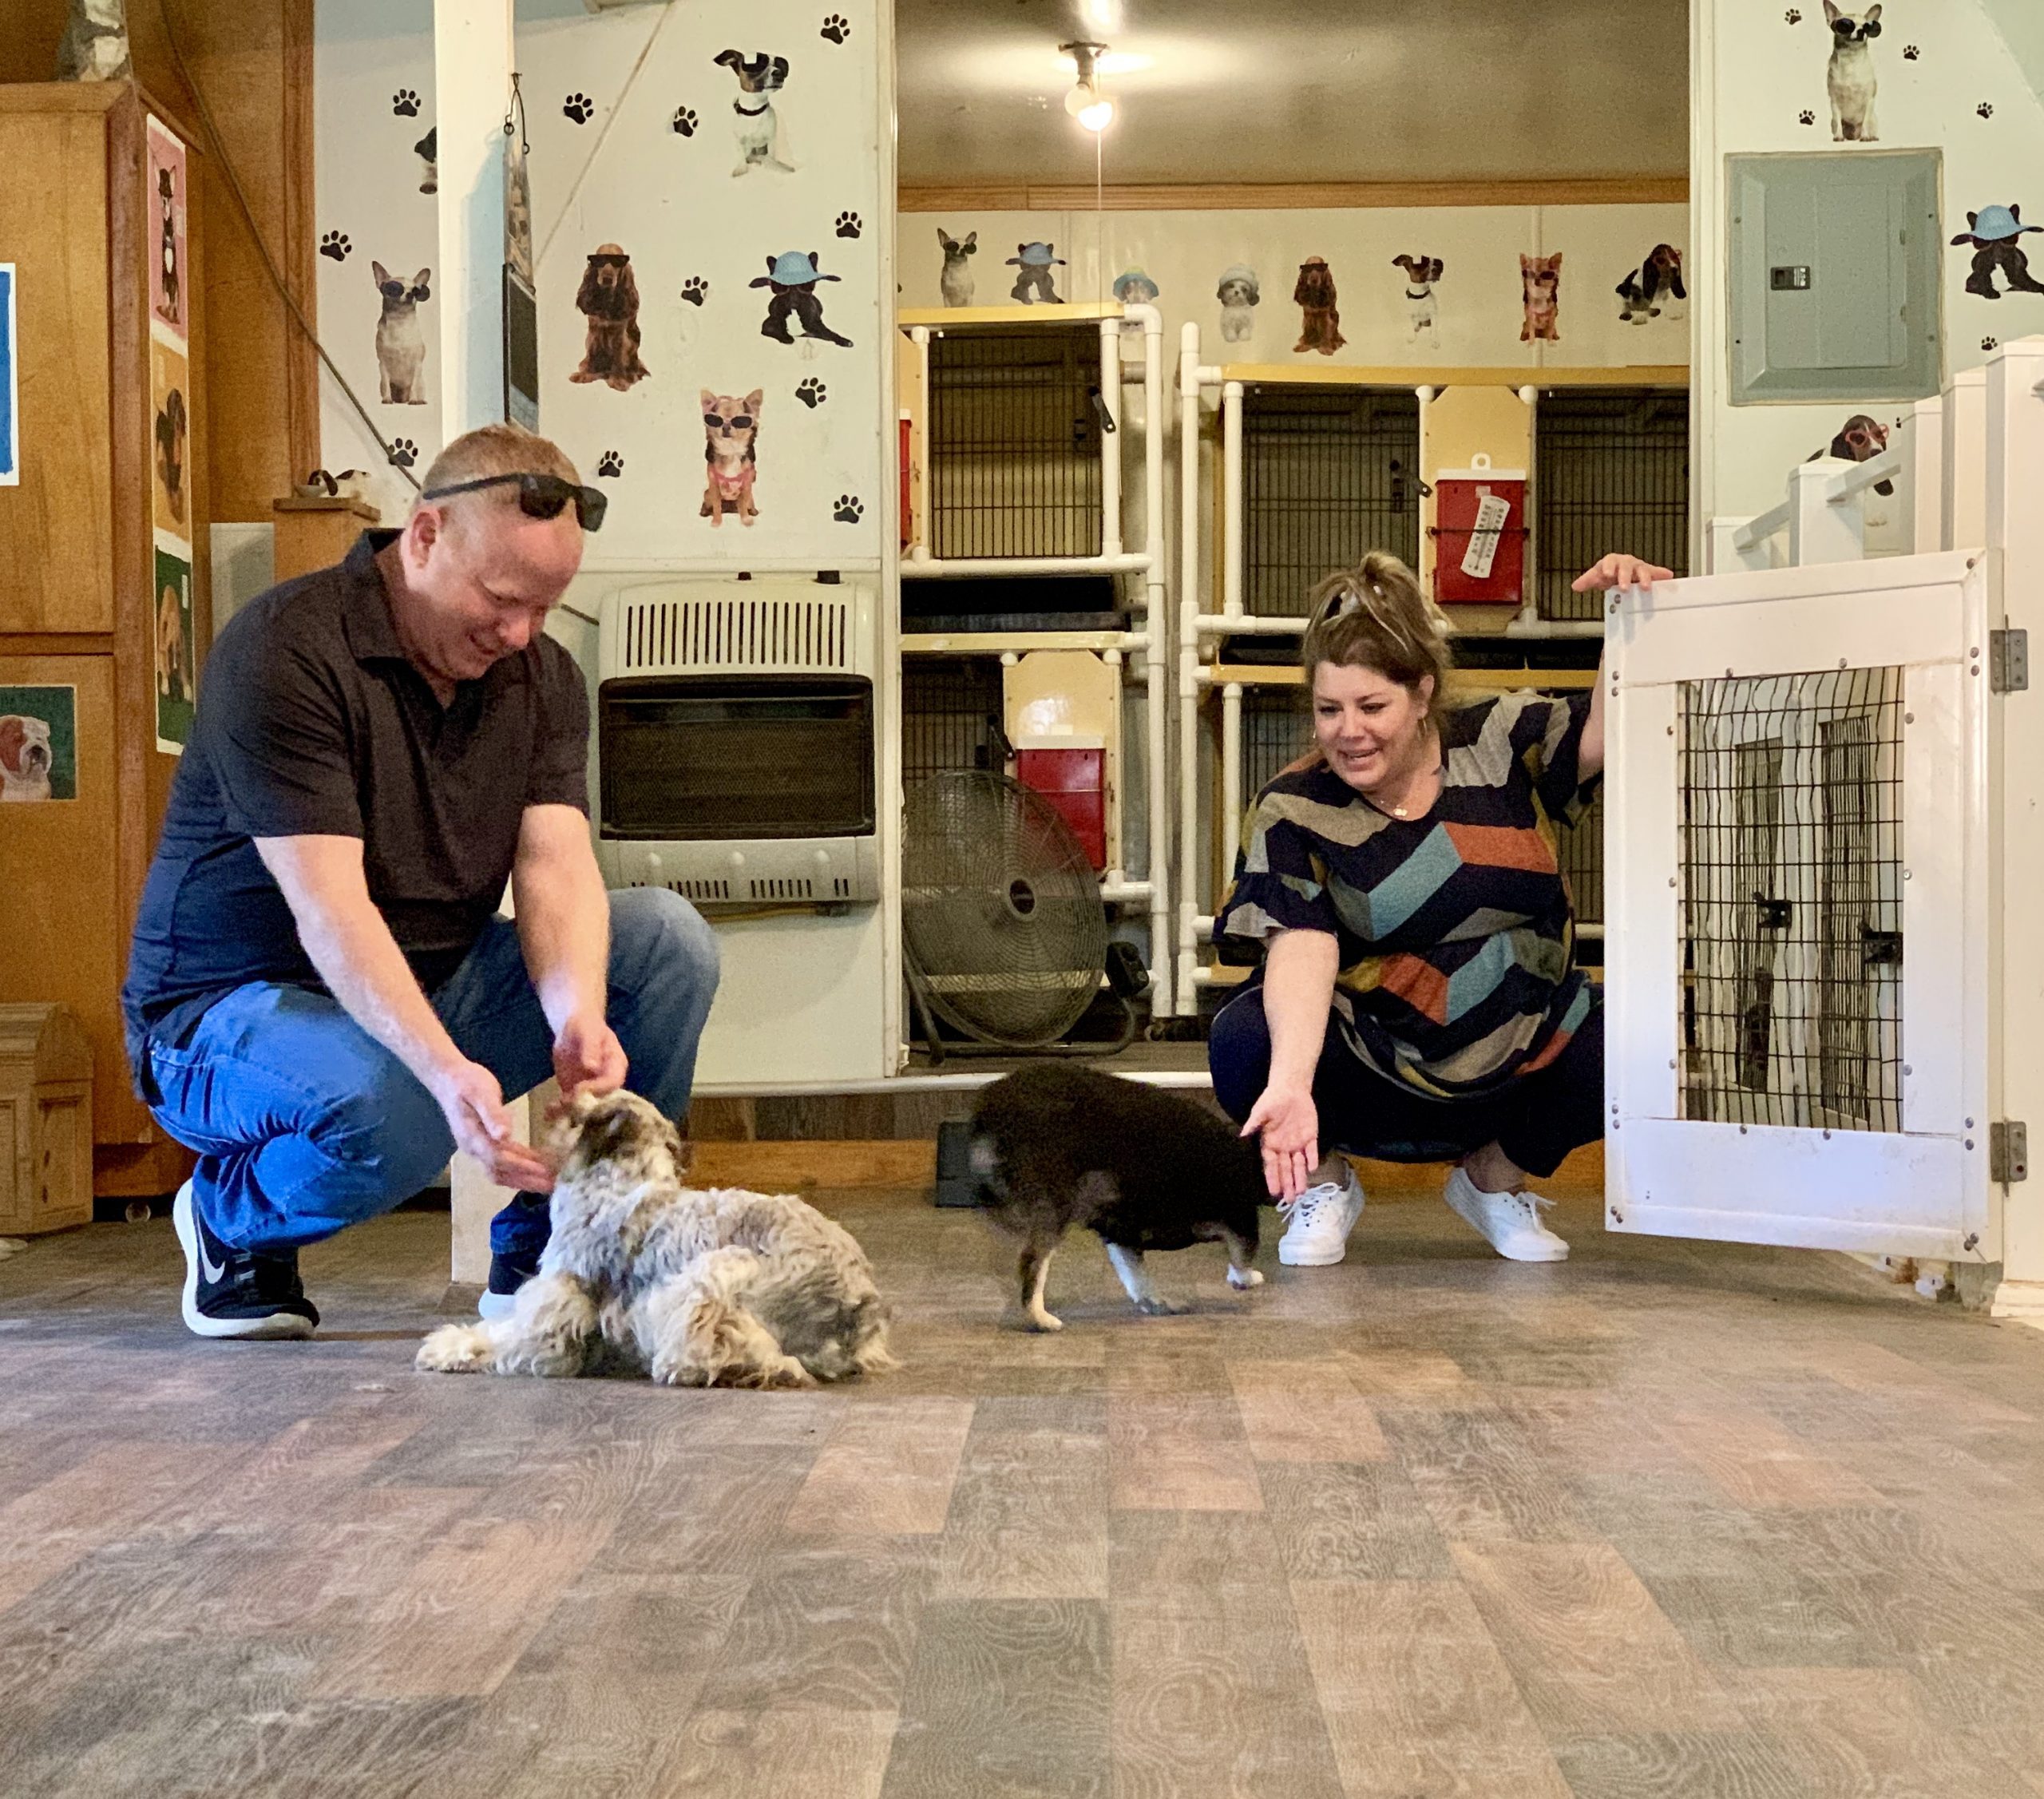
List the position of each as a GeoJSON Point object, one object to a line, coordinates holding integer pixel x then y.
{"type": "Point", "coordinates": [305, 1124]}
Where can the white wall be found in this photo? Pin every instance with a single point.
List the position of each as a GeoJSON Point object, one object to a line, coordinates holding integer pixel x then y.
{"type": "Point", "coordinates": [366, 199]}
{"type": "Point", "coordinates": [1755, 76]}
{"type": "Point", "coordinates": [1479, 296]}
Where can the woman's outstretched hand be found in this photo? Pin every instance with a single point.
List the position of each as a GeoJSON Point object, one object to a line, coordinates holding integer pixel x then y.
{"type": "Point", "coordinates": [1618, 570]}
{"type": "Point", "coordinates": [1290, 1126]}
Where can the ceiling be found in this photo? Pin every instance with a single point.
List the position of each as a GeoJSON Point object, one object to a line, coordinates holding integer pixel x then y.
{"type": "Point", "coordinates": [1297, 90]}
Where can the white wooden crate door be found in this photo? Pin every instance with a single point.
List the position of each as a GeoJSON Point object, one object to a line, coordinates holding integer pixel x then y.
{"type": "Point", "coordinates": [1798, 1030]}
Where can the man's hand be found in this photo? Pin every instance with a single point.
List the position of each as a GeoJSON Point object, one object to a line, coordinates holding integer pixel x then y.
{"type": "Point", "coordinates": [588, 1058]}
{"type": "Point", "coordinates": [473, 1104]}
{"type": "Point", "coordinates": [1620, 570]}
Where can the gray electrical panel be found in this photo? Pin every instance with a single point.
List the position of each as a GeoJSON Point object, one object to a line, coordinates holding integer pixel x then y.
{"type": "Point", "coordinates": [1836, 277]}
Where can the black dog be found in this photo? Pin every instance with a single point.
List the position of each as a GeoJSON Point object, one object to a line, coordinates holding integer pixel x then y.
{"type": "Point", "coordinates": [1055, 1146]}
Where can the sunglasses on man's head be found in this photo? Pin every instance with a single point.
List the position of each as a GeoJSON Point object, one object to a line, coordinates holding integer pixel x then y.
{"type": "Point", "coordinates": [539, 496]}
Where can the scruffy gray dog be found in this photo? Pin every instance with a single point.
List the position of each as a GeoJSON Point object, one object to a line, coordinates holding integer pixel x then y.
{"type": "Point", "coordinates": [698, 1288]}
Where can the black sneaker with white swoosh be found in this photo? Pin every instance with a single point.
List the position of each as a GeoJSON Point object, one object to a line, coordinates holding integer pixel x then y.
{"type": "Point", "coordinates": [237, 1293]}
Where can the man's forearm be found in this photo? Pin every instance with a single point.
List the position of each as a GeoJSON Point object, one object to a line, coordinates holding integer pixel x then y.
{"type": "Point", "coordinates": [563, 913]}
{"type": "Point", "coordinates": [352, 948]}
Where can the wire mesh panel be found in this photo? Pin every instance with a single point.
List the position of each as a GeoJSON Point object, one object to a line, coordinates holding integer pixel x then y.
{"type": "Point", "coordinates": [951, 713]}
{"type": "Point", "coordinates": [1791, 899]}
{"type": "Point", "coordinates": [1012, 463]}
{"type": "Point", "coordinates": [1328, 473]}
{"type": "Point", "coordinates": [1611, 471]}
{"type": "Point", "coordinates": [1276, 731]}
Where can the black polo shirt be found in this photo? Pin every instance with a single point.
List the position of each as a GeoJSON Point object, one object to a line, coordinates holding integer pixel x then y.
{"type": "Point", "coordinates": [312, 722]}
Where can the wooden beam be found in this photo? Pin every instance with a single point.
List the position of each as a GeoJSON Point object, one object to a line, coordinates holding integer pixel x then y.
{"type": "Point", "coordinates": [1411, 375]}
{"type": "Point", "coordinates": [1069, 196]}
{"type": "Point", "coordinates": [778, 1167]}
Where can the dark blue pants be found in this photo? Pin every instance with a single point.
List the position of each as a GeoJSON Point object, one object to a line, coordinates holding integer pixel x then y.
{"type": "Point", "coordinates": [1536, 1120]}
{"type": "Point", "coordinates": [305, 1124]}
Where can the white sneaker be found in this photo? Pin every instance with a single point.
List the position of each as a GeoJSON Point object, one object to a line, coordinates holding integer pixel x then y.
{"type": "Point", "coordinates": [1317, 1223]}
{"type": "Point", "coordinates": [1511, 1221]}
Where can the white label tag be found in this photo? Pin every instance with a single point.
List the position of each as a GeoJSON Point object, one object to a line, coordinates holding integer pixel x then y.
{"type": "Point", "coordinates": [1492, 512]}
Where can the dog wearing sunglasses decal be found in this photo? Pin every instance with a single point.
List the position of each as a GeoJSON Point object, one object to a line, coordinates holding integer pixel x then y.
{"type": "Point", "coordinates": [730, 431]}
{"type": "Point", "coordinates": [609, 300]}
{"type": "Point", "coordinates": [400, 344]}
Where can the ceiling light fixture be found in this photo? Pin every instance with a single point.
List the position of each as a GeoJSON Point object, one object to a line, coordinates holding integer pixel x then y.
{"type": "Point", "coordinates": [1086, 103]}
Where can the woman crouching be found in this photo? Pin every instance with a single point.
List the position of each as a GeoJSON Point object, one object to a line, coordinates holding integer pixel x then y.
{"type": "Point", "coordinates": [1418, 998]}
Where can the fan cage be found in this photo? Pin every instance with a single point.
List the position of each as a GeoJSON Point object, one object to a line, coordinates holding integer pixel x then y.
{"type": "Point", "coordinates": [1012, 456]}
{"type": "Point", "coordinates": [1611, 470]}
{"type": "Point", "coordinates": [1791, 899]}
{"type": "Point", "coordinates": [1329, 474]}
{"type": "Point", "coordinates": [1003, 925]}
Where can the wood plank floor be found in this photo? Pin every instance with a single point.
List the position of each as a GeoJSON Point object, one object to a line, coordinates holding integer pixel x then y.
{"type": "Point", "coordinates": [1666, 1520]}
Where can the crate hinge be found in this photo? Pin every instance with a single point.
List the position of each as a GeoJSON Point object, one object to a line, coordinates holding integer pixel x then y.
{"type": "Point", "coordinates": [2008, 1151]}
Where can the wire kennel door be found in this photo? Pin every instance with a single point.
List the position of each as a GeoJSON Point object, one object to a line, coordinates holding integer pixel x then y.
{"type": "Point", "coordinates": [1798, 1032]}
{"type": "Point", "coordinates": [1609, 467]}
{"type": "Point", "coordinates": [1329, 474]}
{"type": "Point", "coordinates": [1014, 443]}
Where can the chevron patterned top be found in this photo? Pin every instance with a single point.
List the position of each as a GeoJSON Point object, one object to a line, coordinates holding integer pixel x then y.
{"type": "Point", "coordinates": [1457, 933]}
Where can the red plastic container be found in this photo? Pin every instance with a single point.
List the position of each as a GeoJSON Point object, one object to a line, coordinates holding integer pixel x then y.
{"type": "Point", "coordinates": [1071, 773]}
{"type": "Point", "coordinates": [1477, 558]}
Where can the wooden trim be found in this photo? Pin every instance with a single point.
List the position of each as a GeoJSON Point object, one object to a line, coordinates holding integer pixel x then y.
{"type": "Point", "coordinates": [1469, 681]}
{"type": "Point", "coordinates": [61, 97]}
{"type": "Point", "coordinates": [298, 253]}
{"type": "Point", "coordinates": [1159, 196]}
{"type": "Point", "coordinates": [952, 318]}
{"type": "Point", "coordinates": [777, 1167]}
{"type": "Point", "coordinates": [1636, 374]}
{"type": "Point", "coordinates": [56, 643]}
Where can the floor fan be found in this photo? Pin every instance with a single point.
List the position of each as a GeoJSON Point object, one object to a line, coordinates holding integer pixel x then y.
{"type": "Point", "coordinates": [1004, 934]}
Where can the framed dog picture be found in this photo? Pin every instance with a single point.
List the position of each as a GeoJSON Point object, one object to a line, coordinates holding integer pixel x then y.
{"type": "Point", "coordinates": [164, 230]}
{"type": "Point", "coordinates": [170, 386]}
{"type": "Point", "coordinates": [10, 455]}
{"type": "Point", "coordinates": [38, 743]}
{"type": "Point", "coordinates": [177, 652]}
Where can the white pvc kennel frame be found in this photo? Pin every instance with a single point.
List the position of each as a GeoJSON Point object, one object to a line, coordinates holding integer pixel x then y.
{"type": "Point", "coordinates": [1198, 629]}
{"type": "Point", "coordinates": [1140, 650]}
{"type": "Point", "coordinates": [1952, 1183]}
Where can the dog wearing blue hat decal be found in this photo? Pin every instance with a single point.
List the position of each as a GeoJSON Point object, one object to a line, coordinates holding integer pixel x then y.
{"type": "Point", "coordinates": [1033, 264]}
{"type": "Point", "coordinates": [793, 277]}
{"type": "Point", "coordinates": [1993, 235]}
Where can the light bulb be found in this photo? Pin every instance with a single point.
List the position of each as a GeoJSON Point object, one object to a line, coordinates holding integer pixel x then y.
{"type": "Point", "coordinates": [1097, 114]}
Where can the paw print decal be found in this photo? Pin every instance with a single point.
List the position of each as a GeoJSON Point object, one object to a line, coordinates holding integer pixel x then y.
{"type": "Point", "coordinates": [609, 466]}
{"type": "Point", "coordinates": [849, 224]}
{"type": "Point", "coordinates": [695, 290]}
{"type": "Point", "coordinates": [1806, 116]}
{"type": "Point", "coordinates": [684, 121]}
{"type": "Point", "coordinates": [1985, 110]}
{"type": "Point", "coordinates": [405, 104]}
{"type": "Point", "coordinates": [835, 30]}
{"type": "Point", "coordinates": [849, 510]}
{"type": "Point", "coordinates": [1909, 52]}
{"type": "Point", "coordinates": [1793, 16]}
{"type": "Point", "coordinates": [404, 452]}
{"type": "Point", "coordinates": [335, 245]}
{"type": "Point", "coordinates": [812, 393]}
{"type": "Point", "coordinates": [1991, 343]}
{"type": "Point", "coordinates": [580, 108]}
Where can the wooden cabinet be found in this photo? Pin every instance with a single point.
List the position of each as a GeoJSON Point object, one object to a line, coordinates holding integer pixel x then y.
{"type": "Point", "coordinates": [45, 1121]}
{"type": "Point", "coordinates": [104, 611]}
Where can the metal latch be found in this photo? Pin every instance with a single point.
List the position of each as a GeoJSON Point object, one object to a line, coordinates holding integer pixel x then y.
{"type": "Point", "coordinates": [2008, 1152]}
{"type": "Point", "coordinates": [2008, 661]}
